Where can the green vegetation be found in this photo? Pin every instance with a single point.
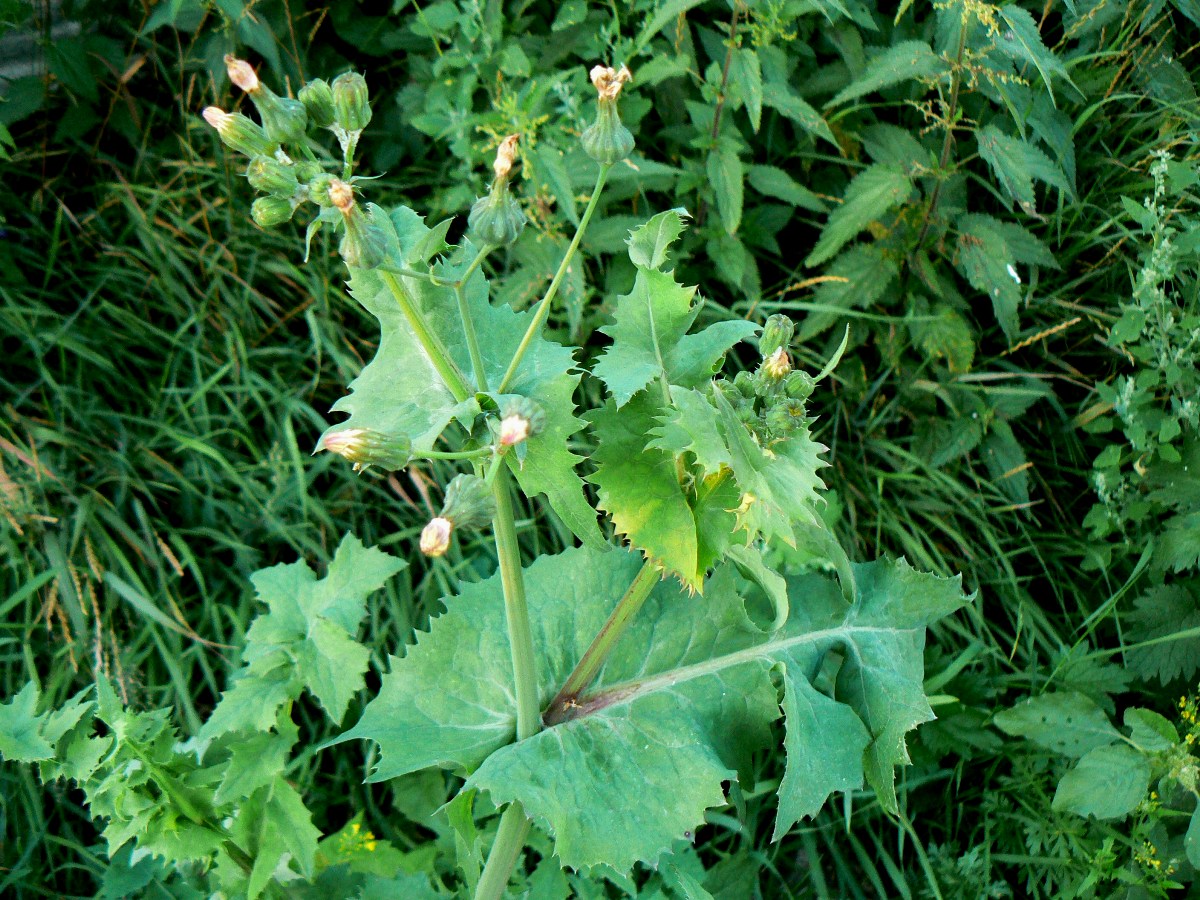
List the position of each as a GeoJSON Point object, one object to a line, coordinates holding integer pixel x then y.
{"type": "Point", "coordinates": [980, 222]}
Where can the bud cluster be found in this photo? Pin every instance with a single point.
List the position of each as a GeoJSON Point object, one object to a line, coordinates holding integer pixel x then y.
{"type": "Point", "coordinates": [282, 138]}
{"type": "Point", "coordinates": [771, 400]}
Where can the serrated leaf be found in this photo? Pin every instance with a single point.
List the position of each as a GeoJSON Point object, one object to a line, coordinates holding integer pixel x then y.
{"type": "Point", "coordinates": [691, 425]}
{"type": "Point", "coordinates": [1022, 41]}
{"type": "Point", "coordinates": [948, 336]}
{"type": "Point", "coordinates": [650, 339]}
{"type": "Point", "coordinates": [256, 760]}
{"type": "Point", "coordinates": [983, 257]}
{"type": "Point", "coordinates": [1158, 615]}
{"type": "Point", "coordinates": [1006, 462]}
{"type": "Point", "coordinates": [859, 277]}
{"type": "Point", "coordinates": [872, 193]}
{"type": "Point", "coordinates": [20, 734]}
{"type": "Point", "coordinates": [745, 71]}
{"type": "Point", "coordinates": [305, 639]}
{"type": "Point", "coordinates": [1016, 163]}
{"type": "Point", "coordinates": [1108, 783]}
{"type": "Point", "coordinates": [772, 181]}
{"type": "Point", "coordinates": [1066, 722]}
{"type": "Point", "coordinates": [725, 174]}
{"type": "Point", "coordinates": [650, 243]}
{"type": "Point", "coordinates": [893, 65]}
{"type": "Point", "coordinates": [780, 98]}
{"type": "Point", "coordinates": [683, 701]}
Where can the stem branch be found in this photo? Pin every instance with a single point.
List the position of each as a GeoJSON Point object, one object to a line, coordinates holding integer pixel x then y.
{"type": "Point", "coordinates": [510, 841]}
{"type": "Point", "coordinates": [432, 344]}
{"type": "Point", "coordinates": [543, 309]}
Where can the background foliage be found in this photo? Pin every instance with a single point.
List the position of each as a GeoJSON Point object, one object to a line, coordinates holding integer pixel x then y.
{"type": "Point", "coordinates": [999, 200]}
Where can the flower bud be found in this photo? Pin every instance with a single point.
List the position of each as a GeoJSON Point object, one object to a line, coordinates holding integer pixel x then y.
{"type": "Point", "coordinates": [496, 219]}
{"type": "Point", "coordinates": [784, 417]}
{"type": "Point", "coordinates": [351, 102]}
{"type": "Point", "coordinates": [238, 133]}
{"type": "Point", "coordinates": [743, 383]}
{"type": "Point", "coordinates": [269, 175]}
{"type": "Point", "coordinates": [317, 98]}
{"type": "Point", "coordinates": [319, 187]}
{"type": "Point", "coordinates": [341, 195]}
{"type": "Point", "coordinates": [268, 212]}
{"type": "Point", "coordinates": [607, 141]}
{"type": "Point", "coordinates": [776, 366]}
{"type": "Point", "coordinates": [435, 537]}
{"type": "Point", "coordinates": [364, 245]}
{"type": "Point", "coordinates": [307, 171]}
{"type": "Point", "coordinates": [469, 502]}
{"type": "Point", "coordinates": [506, 155]}
{"type": "Point", "coordinates": [798, 385]}
{"type": "Point", "coordinates": [365, 447]}
{"type": "Point", "coordinates": [242, 74]}
{"type": "Point", "coordinates": [520, 418]}
{"type": "Point", "coordinates": [777, 332]}
{"type": "Point", "coordinates": [283, 119]}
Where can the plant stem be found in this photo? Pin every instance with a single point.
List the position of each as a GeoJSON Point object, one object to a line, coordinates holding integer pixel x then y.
{"type": "Point", "coordinates": [948, 140]}
{"type": "Point", "coordinates": [516, 612]}
{"type": "Point", "coordinates": [434, 348]}
{"type": "Point", "coordinates": [460, 294]}
{"type": "Point", "coordinates": [456, 454]}
{"type": "Point", "coordinates": [543, 309]}
{"type": "Point", "coordinates": [596, 654]}
{"type": "Point", "coordinates": [510, 841]}
{"type": "Point", "coordinates": [493, 468]}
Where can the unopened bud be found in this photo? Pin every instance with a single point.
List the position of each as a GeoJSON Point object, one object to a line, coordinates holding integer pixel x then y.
{"type": "Point", "coordinates": [435, 537]}
{"type": "Point", "coordinates": [469, 502]}
{"type": "Point", "coordinates": [777, 365]}
{"type": "Point", "coordinates": [520, 418]}
{"type": "Point", "coordinates": [506, 155]}
{"type": "Point", "coordinates": [785, 417]}
{"type": "Point", "coordinates": [365, 447]}
{"type": "Point", "coordinates": [799, 385]}
{"type": "Point", "coordinates": [317, 98]}
{"type": "Point", "coordinates": [242, 74]}
{"type": "Point", "coordinates": [607, 141]}
{"type": "Point", "coordinates": [364, 245]}
{"type": "Point", "coordinates": [268, 212]}
{"type": "Point", "coordinates": [496, 219]}
{"type": "Point", "coordinates": [283, 119]}
{"type": "Point", "coordinates": [777, 332]}
{"type": "Point", "coordinates": [351, 102]}
{"type": "Point", "coordinates": [320, 188]}
{"type": "Point", "coordinates": [341, 195]}
{"type": "Point", "coordinates": [238, 133]}
{"type": "Point", "coordinates": [269, 175]}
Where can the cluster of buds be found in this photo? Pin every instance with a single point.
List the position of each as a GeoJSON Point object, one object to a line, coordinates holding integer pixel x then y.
{"type": "Point", "coordinates": [365, 447]}
{"type": "Point", "coordinates": [607, 141]}
{"type": "Point", "coordinates": [771, 400]}
{"type": "Point", "coordinates": [468, 504]}
{"type": "Point", "coordinates": [497, 219]}
{"type": "Point", "coordinates": [282, 164]}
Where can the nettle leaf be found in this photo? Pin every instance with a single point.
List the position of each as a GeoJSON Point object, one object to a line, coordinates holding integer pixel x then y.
{"type": "Point", "coordinates": [726, 174]}
{"type": "Point", "coordinates": [859, 277]}
{"type": "Point", "coordinates": [779, 97]}
{"type": "Point", "coordinates": [1159, 614]}
{"type": "Point", "coordinates": [771, 181]}
{"type": "Point", "coordinates": [872, 193]}
{"type": "Point", "coordinates": [683, 701]}
{"type": "Point", "coordinates": [306, 639]}
{"type": "Point", "coordinates": [649, 331]}
{"type": "Point", "coordinates": [1016, 163]}
{"type": "Point", "coordinates": [746, 73]}
{"type": "Point", "coordinates": [1023, 42]}
{"type": "Point", "coordinates": [985, 258]}
{"type": "Point", "coordinates": [893, 65]}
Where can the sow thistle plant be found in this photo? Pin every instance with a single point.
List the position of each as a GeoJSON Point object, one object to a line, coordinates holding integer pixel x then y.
{"type": "Point", "coordinates": [605, 695]}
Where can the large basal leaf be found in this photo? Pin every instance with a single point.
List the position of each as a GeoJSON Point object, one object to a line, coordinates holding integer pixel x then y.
{"type": "Point", "coordinates": [401, 392]}
{"type": "Point", "coordinates": [685, 698]}
{"type": "Point", "coordinates": [306, 639]}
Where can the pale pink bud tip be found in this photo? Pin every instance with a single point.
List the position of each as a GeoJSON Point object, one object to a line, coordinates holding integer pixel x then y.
{"type": "Point", "coordinates": [341, 195]}
{"type": "Point", "coordinates": [344, 443]}
{"type": "Point", "coordinates": [241, 73]}
{"type": "Point", "coordinates": [777, 365]}
{"type": "Point", "coordinates": [506, 155]}
{"type": "Point", "coordinates": [435, 537]}
{"type": "Point", "coordinates": [513, 430]}
{"type": "Point", "coordinates": [608, 81]}
{"type": "Point", "coordinates": [215, 116]}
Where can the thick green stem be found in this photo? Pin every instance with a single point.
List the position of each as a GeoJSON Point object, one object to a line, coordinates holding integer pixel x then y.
{"type": "Point", "coordinates": [432, 344]}
{"type": "Point", "coordinates": [510, 841]}
{"type": "Point", "coordinates": [460, 294]}
{"type": "Point", "coordinates": [596, 654]}
{"type": "Point", "coordinates": [543, 309]}
{"type": "Point", "coordinates": [517, 613]}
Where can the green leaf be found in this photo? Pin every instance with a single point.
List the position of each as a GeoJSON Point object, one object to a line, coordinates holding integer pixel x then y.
{"type": "Point", "coordinates": [893, 65]}
{"type": "Point", "coordinates": [859, 277]}
{"type": "Point", "coordinates": [772, 181]}
{"type": "Point", "coordinates": [639, 487]}
{"type": "Point", "coordinates": [305, 639]}
{"type": "Point", "coordinates": [872, 193]}
{"type": "Point", "coordinates": [1006, 462]}
{"type": "Point", "coordinates": [1066, 722]}
{"type": "Point", "coordinates": [984, 258]}
{"type": "Point", "coordinates": [649, 243]}
{"type": "Point", "coordinates": [256, 760]}
{"type": "Point", "coordinates": [949, 336]}
{"type": "Point", "coordinates": [1158, 615]}
{"type": "Point", "coordinates": [650, 339]}
{"type": "Point", "coordinates": [725, 173]}
{"type": "Point", "coordinates": [1151, 732]}
{"type": "Point", "coordinates": [1022, 41]}
{"type": "Point", "coordinates": [1108, 783]}
{"type": "Point", "coordinates": [682, 703]}
{"type": "Point", "coordinates": [778, 95]}
{"type": "Point", "coordinates": [20, 737]}
{"type": "Point", "coordinates": [1191, 840]}
{"type": "Point", "coordinates": [558, 179]}
{"type": "Point", "coordinates": [1016, 163]}
{"type": "Point", "coordinates": [745, 71]}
